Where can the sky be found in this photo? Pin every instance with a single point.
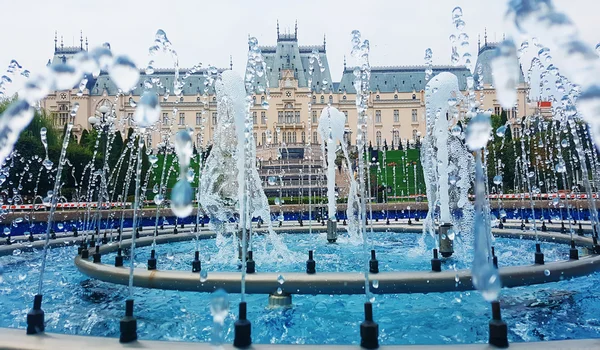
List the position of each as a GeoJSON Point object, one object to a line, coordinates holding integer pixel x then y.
{"type": "Point", "coordinates": [209, 32]}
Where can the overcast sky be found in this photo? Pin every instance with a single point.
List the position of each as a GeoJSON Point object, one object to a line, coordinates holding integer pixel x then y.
{"type": "Point", "coordinates": [211, 31]}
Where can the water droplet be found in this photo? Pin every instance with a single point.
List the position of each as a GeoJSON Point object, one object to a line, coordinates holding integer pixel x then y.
{"type": "Point", "coordinates": [375, 284]}
{"type": "Point", "coordinates": [271, 180]}
{"type": "Point", "coordinates": [181, 199]}
{"type": "Point", "coordinates": [280, 279]}
{"type": "Point", "coordinates": [547, 272]}
{"type": "Point", "coordinates": [148, 110]}
{"type": "Point", "coordinates": [219, 306]}
{"type": "Point", "coordinates": [124, 73]}
{"type": "Point", "coordinates": [60, 225]}
{"type": "Point", "coordinates": [279, 291]}
{"type": "Point", "coordinates": [501, 131]}
{"type": "Point", "coordinates": [456, 130]}
{"type": "Point", "coordinates": [265, 104]}
{"type": "Point", "coordinates": [498, 179]}
{"type": "Point", "coordinates": [561, 167]}
{"type": "Point", "coordinates": [158, 199]}
{"type": "Point", "coordinates": [478, 131]}
{"type": "Point", "coordinates": [132, 102]}
{"type": "Point", "coordinates": [203, 276]}
{"type": "Point", "coordinates": [564, 143]}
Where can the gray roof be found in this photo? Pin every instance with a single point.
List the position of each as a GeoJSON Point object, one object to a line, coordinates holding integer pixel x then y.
{"type": "Point", "coordinates": [401, 79]}
{"type": "Point", "coordinates": [192, 85]}
{"type": "Point", "coordinates": [288, 55]}
{"type": "Point", "coordinates": [484, 58]}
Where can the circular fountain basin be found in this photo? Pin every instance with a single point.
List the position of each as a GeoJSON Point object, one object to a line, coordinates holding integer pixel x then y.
{"type": "Point", "coordinates": [76, 304]}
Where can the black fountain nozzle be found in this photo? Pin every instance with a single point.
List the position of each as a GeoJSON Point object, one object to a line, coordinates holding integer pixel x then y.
{"type": "Point", "coordinates": [35, 316]}
{"type": "Point", "coordinates": [119, 258]}
{"type": "Point", "coordinates": [96, 256]}
{"type": "Point", "coordinates": [137, 232]}
{"type": "Point", "coordinates": [118, 233]}
{"type": "Point", "coordinates": [522, 225]}
{"type": "Point", "coordinates": [311, 264]}
{"type": "Point", "coordinates": [196, 265]}
{"type": "Point", "coordinates": [30, 238]}
{"type": "Point", "coordinates": [416, 219]}
{"type": "Point", "coordinates": [128, 324]}
{"type": "Point", "coordinates": [387, 221]}
{"type": "Point", "coordinates": [373, 263]}
{"type": "Point", "coordinates": [527, 219]}
{"type": "Point", "coordinates": [8, 241]}
{"type": "Point", "coordinates": [97, 231]}
{"type": "Point", "coordinates": [580, 230]}
{"type": "Point", "coordinates": [344, 222]}
{"type": "Point", "coordinates": [436, 263]}
{"type": "Point", "coordinates": [81, 247]}
{"type": "Point", "coordinates": [85, 253]}
{"type": "Point", "coordinates": [202, 223]}
{"type": "Point", "coordinates": [573, 252]}
{"type": "Point", "coordinates": [52, 233]}
{"type": "Point", "coordinates": [544, 228]}
{"type": "Point", "coordinates": [539, 256]}
{"type": "Point", "coordinates": [409, 221]}
{"type": "Point", "coordinates": [196, 228]}
{"type": "Point", "coordinates": [162, 226]}
{"type": "Point", "coordinates": [92, 242]}
{"type": "Point", "coordinates": [152, 260]}
{"type": "Point", "coordinates": [563, 229]}
{"type": "Point", "coordinates": [504, 219]}
{"type": "Point", "coordinates": [300, 222]}
{"type": "Point", "coordinates": [369, 330]}
{"type": "Point", "coordinates": [376, 219]}
{"type": "Point", "coordinates": [280, 223]}
{"type": "Point", "coordinates": [250, 263]}
{"type": "Point", "coordinates": [396, 218]}
{"type": "Point", "coordinates": [140, 228]}
{"type": "Point", "coordinates": [494, 258]}
{"type": "Point", "coordinates": [75, 233]}
{"type": "Point", "coordinates": [175, 230]}
{"type": "Point", "coordinates": [498, 328]}
{"type": "Point", "coordinates": [596, 247]}
{"type": "Point", "coordinates": [242, 329]}
{"type": "Point", "coordinates": [322, 222]}
{"type": "Point", "coordinates": [104, 238]}
{"type": "Point", "coordinates": [182, 225]}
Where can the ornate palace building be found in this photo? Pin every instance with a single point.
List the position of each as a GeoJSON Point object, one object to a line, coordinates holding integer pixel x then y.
{"type": "Point", "coordinates": [396, 102]}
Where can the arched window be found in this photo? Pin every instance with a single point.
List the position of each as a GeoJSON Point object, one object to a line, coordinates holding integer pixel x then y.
{"type": "Point", "coordinates": [322, 99]}
{"type": "Point", "coordinates": [198, 99]}
{"type": "Point", "coordinates": [414, 96]}
{"type": "Point", "coordinates": [262, 99]}
{"type": "Point", "coordinates": [396, 138]}
{"type": "Point", "coordinates": [303, 135]}
{"type": "Point", "coordinates": [214, 99]}
{"type": "Point", "coordinates": [198, 140]}
{"type": "Point", "coordinates": [315, 140]}
{"type": "Point", "coordinates": [344, 97]}
{"type": "Point", "coordinates": [289, 137]}
{"type": "Point", "coordinates": [284, 137]}
{"type": "Point", "coordinates": [378, 139]}
{"type": "Point", "coordinates": [415, 135]}
{"type": "Point", "coordinates": [264, 138]}
{"type": "Point", "coordinates": [330, 99]}
{"type": "Point", "coordinates": [395, 96]}
{"type": "Point", "coordinates": [255, 139]}
{"type": "Point", "coordinates": [181, 99]}
{"type": "Point", "coordinates": [276, 138]}
{"type": "Point", "coordinates": [254, 99]}
{"type": "Point", "coordinates": [377, 97]}
{"type": "Point", "coordinates": [294, 137]}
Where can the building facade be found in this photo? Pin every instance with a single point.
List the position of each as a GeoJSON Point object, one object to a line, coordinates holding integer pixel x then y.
{"type": "Point", "coordinates": [296, 76]}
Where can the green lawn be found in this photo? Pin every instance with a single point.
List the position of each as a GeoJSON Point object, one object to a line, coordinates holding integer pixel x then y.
{"type": "Point", "coordinates": [404, 162]}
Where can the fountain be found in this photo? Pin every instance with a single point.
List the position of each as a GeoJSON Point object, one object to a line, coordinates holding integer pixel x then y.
{"type": "Point", "coordinates": [388, 287]}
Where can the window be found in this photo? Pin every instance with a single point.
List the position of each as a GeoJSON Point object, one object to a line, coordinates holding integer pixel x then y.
{"type": "Point", "coordinates": [378, 116]}
{"type": "Point", "coordinates": [396, 116]}
{"type": "Point", "coordinates": [315, 140]}
{"type": "Point", "coordinates": [297, 117]}
{"type": "Point", "coordinates": [181, 99]}
{"type": "Point", "coordinates": [276, 138]}
{"type": "Point", "coordinates": [314, 117]}
{"type": "Point", "coordinates": [514, 112]}
{"type": "Point", "coordinates": [294, 137]}
{"type": "Point", "coordinates": [198, 118]}
{"type": "Point", "coordinates": [395, 96]}
{"type": "Point", "coordinates": [377, 97]}
{"type": "Point", "coordinates": [254, 99]}
{"type": "Point", "coordinates": [415, 135]}
{"type": "Point", "coordinates": [198, 140]}
{"type": "Point", "coordinates": [214, 118]}
{"type": "Point", "coordinates": [181, 118]}
{"type": "Point", "coordinates": [346, 114]}
{"type": "Point", "coordinates": [130, 119]}
{"type": "Point", "coordinates": [497, 110]}
{"type": "Point", "coordinates": [254, 119]}
{"type": "Point", "coordinates": [414, 116]}
{"type": "Point", "coordinates": [322, 99]}
{"type": "Point", "coordinates": [149, 141]}
{"type": "Point", "coordinates": [396, 138]}
{"type": "Point", "coordinates": [330, 99]}
{"type": "Point", "coordinates": [280, 117]}
{"type": "Point", "coordinates": [262, 99]}
{"type": "Point", "coordinates": [264, 138]}
{"type": "Point", "coordinates": [284, 136]}
{"type": "Point", "coordinates": [263, 118]}
{"type": "Point", "coordinates": [166, 118]}
{"type": "Point", "coordinates": [198, 99]}
{"type": "Point", "coordinates": [255, 139]}
{"type": "Point", "coordinates": [289, 117]}
{"type": "Point", "coordinates": [414, 96]}
{"type": "Point", "coordinates": [344, 97]}
{"type": "Point", "coordinates": [303, 135]}
{"type": "Point", "coordinates": [378, 139]}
